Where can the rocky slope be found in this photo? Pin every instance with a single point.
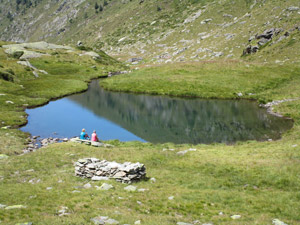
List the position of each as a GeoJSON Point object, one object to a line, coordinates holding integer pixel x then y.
{"type": "Point", "coordinates": [160, 31]}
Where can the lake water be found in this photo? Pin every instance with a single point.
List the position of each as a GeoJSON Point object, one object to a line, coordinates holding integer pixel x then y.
{"type": "Point", "coordinates": [156, 119]}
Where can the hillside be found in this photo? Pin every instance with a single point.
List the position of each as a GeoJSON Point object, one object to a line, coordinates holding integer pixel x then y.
{"type": "Point", "coordinates": [160, 31]}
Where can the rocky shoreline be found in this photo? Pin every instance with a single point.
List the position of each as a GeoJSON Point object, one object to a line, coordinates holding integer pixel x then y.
{"type": "Point", "coordinates": [35, 142]}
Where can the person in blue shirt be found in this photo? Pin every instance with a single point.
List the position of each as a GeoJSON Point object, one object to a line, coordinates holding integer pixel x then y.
{"type": "Point", "coordinates": [83, 135]}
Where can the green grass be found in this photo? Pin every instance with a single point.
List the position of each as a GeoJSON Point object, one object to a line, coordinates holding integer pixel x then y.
{"type": "Point", "coordinates": [257, 180]}
{"type": "Point", "coordinates": [207, 80]}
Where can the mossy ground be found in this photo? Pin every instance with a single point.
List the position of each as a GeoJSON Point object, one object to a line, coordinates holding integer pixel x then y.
{"type": "Point", "coordinates": [257, 180]}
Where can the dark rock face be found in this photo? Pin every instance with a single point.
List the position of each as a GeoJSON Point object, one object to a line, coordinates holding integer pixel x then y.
{"type": "Point", "coordinates": [263, 39]}
{"type": "Point", "coordinates": [250, 49]}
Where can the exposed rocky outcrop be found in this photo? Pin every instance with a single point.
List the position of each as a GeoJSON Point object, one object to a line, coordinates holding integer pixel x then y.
{"type": "Point", "coordinates": [261, 40]}
{"type": "Point", "coordinates": [99, 170]}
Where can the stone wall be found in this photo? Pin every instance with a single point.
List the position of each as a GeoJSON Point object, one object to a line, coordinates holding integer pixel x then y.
{"type": "Point", "coordinates": [103, 170]}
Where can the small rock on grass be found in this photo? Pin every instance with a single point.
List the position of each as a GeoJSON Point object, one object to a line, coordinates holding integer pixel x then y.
{"type": "Point", "coordinates": [130, 188]}
{"type": "Point", "coordinates": [2, 206]}
{"type": "Point", "coordinates": [137, 222]}
{"type": "Point", "coordinates": [101, 220]}
{"type": "Point", "coordinates": [171, 197]}
{"type": "Point", "coordinates": [182, 223]}
{"type": "Point", "coordinates": [235, 217]}
{"type": "Point", "coordinates": [152, 180]}
{"type": "Point", "coordinates": [87, 186]}
{"type": "Point", "coordinates": [278, 222]}
{"type": "Point", "coordinates": [106, 187]}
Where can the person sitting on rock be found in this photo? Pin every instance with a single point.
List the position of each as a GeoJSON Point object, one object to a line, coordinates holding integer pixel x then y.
{"type": "Point", "coordinates": [83, 135]}
{"type": "Point", "coordinates": [94, 136]}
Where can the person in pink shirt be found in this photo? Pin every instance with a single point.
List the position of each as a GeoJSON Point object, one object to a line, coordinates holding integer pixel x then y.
{"type": "Point", "coordinates": [94, 136]}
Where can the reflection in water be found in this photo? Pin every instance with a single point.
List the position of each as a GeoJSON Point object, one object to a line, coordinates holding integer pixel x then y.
{"type": "Point", "coordinates": [160, 119]}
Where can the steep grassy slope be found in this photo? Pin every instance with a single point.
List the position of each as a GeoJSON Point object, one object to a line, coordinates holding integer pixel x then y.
{"type": "Point", "coordinates": [157, 30]}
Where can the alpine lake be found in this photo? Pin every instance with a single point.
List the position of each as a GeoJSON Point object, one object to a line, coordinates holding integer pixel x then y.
{"type": "Point", "coordinates": [155, 119]}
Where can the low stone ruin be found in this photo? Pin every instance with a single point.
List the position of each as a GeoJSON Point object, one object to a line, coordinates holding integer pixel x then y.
{"type": "Point", "coordinates": [102, 170]}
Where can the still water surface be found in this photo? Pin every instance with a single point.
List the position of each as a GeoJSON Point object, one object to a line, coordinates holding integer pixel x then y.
{"type": "Point", "coordinates": [156, 119]}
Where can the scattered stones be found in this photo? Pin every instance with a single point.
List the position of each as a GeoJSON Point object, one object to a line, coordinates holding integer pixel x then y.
{"type": "Point", "coordinates": [135, 60]}
{"type": "Point", "coordinates": [63, 211]}
{"type": "Point", "coordinates": [15, 207]}
{"type": "Point", "coordinates": [34, 181]}
{"type": "Point", "coordinates": [101, 220]}
{"type": "Point", "coordinates": [106, 187]}
{"type": "Point", "coordinates": [235, 217]}
{"type": "Point", "coordinates": [278, 222]}
{"type": "Point", "coordinates": [95, 169]}
{"type": "Point", "coordinates": [130, 188]}
{"type": "Point", "coordinates": [193, 17]}
{"type": "Point", "coordinates": [180, 51]}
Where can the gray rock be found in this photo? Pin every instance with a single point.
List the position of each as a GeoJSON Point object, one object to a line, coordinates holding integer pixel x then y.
{"type": "Point", "coordinates": [130, 188]}
{"type": "Point", "coordinates": [106, 187]}
{"type": "Point", "coordinates": [137, 222]}
{"type": "Point", "coordinates": [235, 217]}
{"type": "Point", "coordinates": [293, 8]}
{"type": "Point", "coordinates": [101, 220]}
{"type": "Point", "coordinates": [2, 206]}
{"type": "Point", "coordinates": [99, 178]}
{"type": "Point", "coordinates": [182, 223]}
{"type": "Point", "coordinates": [263, 41]}
{"type": "Point", "coordinates": [206, 21]}
{"type": "Point", "coordinates": [87, 186]}
{"type": "Point", "coordinates": [278, 222]}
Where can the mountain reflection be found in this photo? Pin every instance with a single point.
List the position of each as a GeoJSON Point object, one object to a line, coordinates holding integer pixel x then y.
{"type": "Point", "coordinates": [160, 119]}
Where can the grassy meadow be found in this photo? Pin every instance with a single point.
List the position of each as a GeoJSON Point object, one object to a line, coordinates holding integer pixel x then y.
{"type": "Point", "coordinates": [257, 180]}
